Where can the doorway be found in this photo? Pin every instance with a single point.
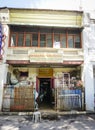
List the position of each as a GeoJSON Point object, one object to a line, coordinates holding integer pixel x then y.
{"type": "Point", "coordinates": [45, 97]}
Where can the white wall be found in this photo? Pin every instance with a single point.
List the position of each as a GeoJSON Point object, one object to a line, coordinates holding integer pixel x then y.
{"type": "Point", "coordinates": [3, 74]}
{"type": "Point", "coordinates": [89, 87]}
{"type": "Point", "coordinates": [89, 62]}
{"type": "Point", "coordinates": [3, 65]}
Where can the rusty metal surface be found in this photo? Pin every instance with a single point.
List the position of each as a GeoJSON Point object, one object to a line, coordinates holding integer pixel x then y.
{"type": "Point", "coordinates": [18, 99]}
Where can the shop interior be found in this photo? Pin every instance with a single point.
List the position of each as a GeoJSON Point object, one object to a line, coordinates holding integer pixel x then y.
{"type": "Point", "coordinates": [45, 98]}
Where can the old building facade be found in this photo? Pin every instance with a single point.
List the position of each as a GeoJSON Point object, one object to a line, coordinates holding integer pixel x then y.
{"type": "Point", "coordinates": [41, 50]}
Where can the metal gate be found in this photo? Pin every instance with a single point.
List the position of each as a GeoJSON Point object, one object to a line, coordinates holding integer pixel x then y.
{"type": "Point", "coordinates": [69, 99]}
{"type": "Point", "coordinates": [18, 99]}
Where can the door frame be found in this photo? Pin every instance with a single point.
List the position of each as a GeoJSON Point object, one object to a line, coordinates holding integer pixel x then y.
{"type": "Point", "coordinates": [52, 86]}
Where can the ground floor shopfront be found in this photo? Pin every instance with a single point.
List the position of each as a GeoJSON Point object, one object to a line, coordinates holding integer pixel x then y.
{"type": "Point", "coordinates": [46, 87]}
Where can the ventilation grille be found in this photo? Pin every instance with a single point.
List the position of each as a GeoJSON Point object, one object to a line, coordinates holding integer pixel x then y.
{"type": "Point", "coordinates": [20, 51]}
{"type": "Point", "coordinates": [46, 50]}
{"type": "Point", "coordinates": [70, 52]}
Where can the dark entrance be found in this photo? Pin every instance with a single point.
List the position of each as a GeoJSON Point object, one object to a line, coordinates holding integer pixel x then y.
{"type": "Point", "coordinates": [45, 93]}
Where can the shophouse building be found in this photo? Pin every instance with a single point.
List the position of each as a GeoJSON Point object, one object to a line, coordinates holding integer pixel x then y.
{"type": "Point", "coordinates": [42, 55]}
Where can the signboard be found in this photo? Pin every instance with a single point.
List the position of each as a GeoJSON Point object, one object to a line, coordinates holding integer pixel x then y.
{"type": "Point", "coordinates": [0, 38]}
{"type": "Point", "coordinates": [46, 57]}
{"type": "Point", "coordinates": [45, 72]}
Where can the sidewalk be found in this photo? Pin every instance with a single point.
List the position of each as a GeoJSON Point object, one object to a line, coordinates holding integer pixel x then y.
{"type": "Point", "coordinates": [51, 120]}
{"type": "Point", "coordinates": [50, 112]}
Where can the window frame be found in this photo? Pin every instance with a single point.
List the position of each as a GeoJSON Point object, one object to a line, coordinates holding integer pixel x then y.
{"type": "Point", "coordinates": [30, 34]}
{"type": "Point", "coordinates": [61, 35]}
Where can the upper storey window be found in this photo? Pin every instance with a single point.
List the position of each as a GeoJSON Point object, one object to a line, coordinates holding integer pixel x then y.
{"type": "Point", "coordinates": [44, 37]}
{"type": "Point", "coordinates": [28, 40]}
{"type": "Point", "coordinates": [34, 40]}
{"type": "Point", "coordinates": [20, 40]}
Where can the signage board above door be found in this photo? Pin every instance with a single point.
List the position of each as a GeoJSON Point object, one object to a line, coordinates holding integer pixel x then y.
{"type": "Point", "coordinates": [45, 72]}
{"type": "Point", "coordinates": [46, 57]}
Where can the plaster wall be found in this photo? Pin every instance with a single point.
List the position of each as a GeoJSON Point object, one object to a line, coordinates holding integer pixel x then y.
{"type": "Point", "coordinates": [89, 62]}
{"type": "Point", "coordinates": [3, 65]}
{"type": "Point", "coordinates": [3, 75]}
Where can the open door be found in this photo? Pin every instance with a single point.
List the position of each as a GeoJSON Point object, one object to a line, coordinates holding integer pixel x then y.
{"type": "Point", "coordinates": [46, 93]}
